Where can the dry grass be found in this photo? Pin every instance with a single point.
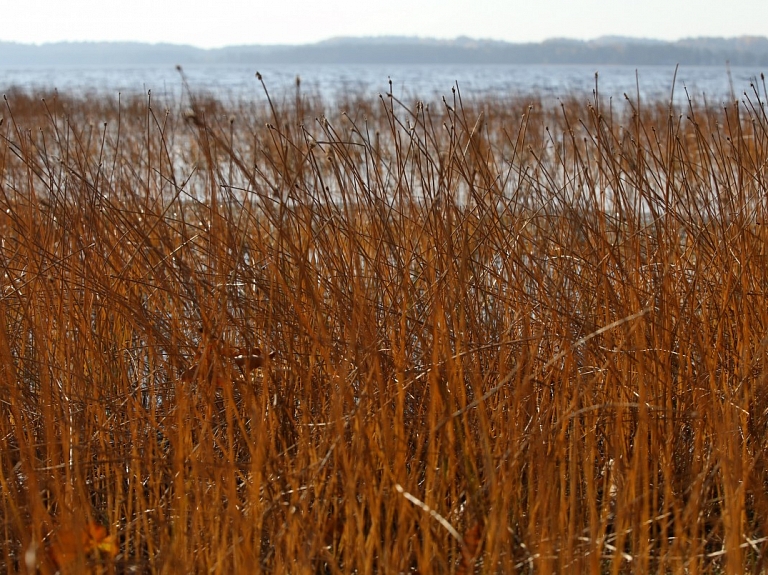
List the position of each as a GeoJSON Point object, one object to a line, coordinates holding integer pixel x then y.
{"type": "Point", "coordinates": [496, 336]}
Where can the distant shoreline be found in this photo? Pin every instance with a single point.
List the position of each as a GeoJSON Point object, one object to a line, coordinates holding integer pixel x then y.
{"type": "Point", "coordinates": [741, 51]}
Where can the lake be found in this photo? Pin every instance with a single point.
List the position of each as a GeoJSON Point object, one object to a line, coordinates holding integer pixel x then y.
{"type": "Point", "coordinates": [428, 82]}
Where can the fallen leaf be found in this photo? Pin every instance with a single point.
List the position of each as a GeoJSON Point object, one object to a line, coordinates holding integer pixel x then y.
{"type": "Point", "coordinates": [72, 545]}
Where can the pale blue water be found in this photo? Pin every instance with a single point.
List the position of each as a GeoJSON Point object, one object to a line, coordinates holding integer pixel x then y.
{"type": "Point", "coordinates": [423, 81]}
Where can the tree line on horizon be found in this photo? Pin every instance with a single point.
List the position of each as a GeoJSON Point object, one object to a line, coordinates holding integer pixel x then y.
{"type": "Point", "coordinates": [743, 51]}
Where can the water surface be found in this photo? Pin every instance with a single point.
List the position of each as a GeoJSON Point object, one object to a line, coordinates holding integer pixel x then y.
{"type": "Point", "coordinates": [423, 81]}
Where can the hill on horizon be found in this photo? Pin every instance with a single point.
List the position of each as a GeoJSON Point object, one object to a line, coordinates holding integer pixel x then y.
{"type": "Point", "coordinates": [704, 51]}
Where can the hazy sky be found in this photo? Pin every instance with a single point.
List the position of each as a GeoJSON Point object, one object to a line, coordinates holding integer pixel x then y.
{"type": "Point", "coordinates": [206, 23]}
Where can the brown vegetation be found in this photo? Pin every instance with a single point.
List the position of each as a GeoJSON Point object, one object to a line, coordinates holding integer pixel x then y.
{"type": "Point", "coordinates": [498, 336]}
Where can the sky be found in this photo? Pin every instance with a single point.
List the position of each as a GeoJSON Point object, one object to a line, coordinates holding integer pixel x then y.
{"type": "Point", "coordinates": [213, 24]}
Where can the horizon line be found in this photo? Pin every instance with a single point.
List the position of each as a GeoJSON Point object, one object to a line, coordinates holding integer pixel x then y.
{"type": "Point", "coordinates": [397, 37]}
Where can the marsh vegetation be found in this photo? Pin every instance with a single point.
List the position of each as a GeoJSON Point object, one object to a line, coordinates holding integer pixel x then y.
{"type": "Point", "coordinates": [376, 336]}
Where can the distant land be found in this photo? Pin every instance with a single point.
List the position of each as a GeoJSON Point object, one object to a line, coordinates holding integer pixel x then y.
{"type": "Point", "coordinates": [741, 51]}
